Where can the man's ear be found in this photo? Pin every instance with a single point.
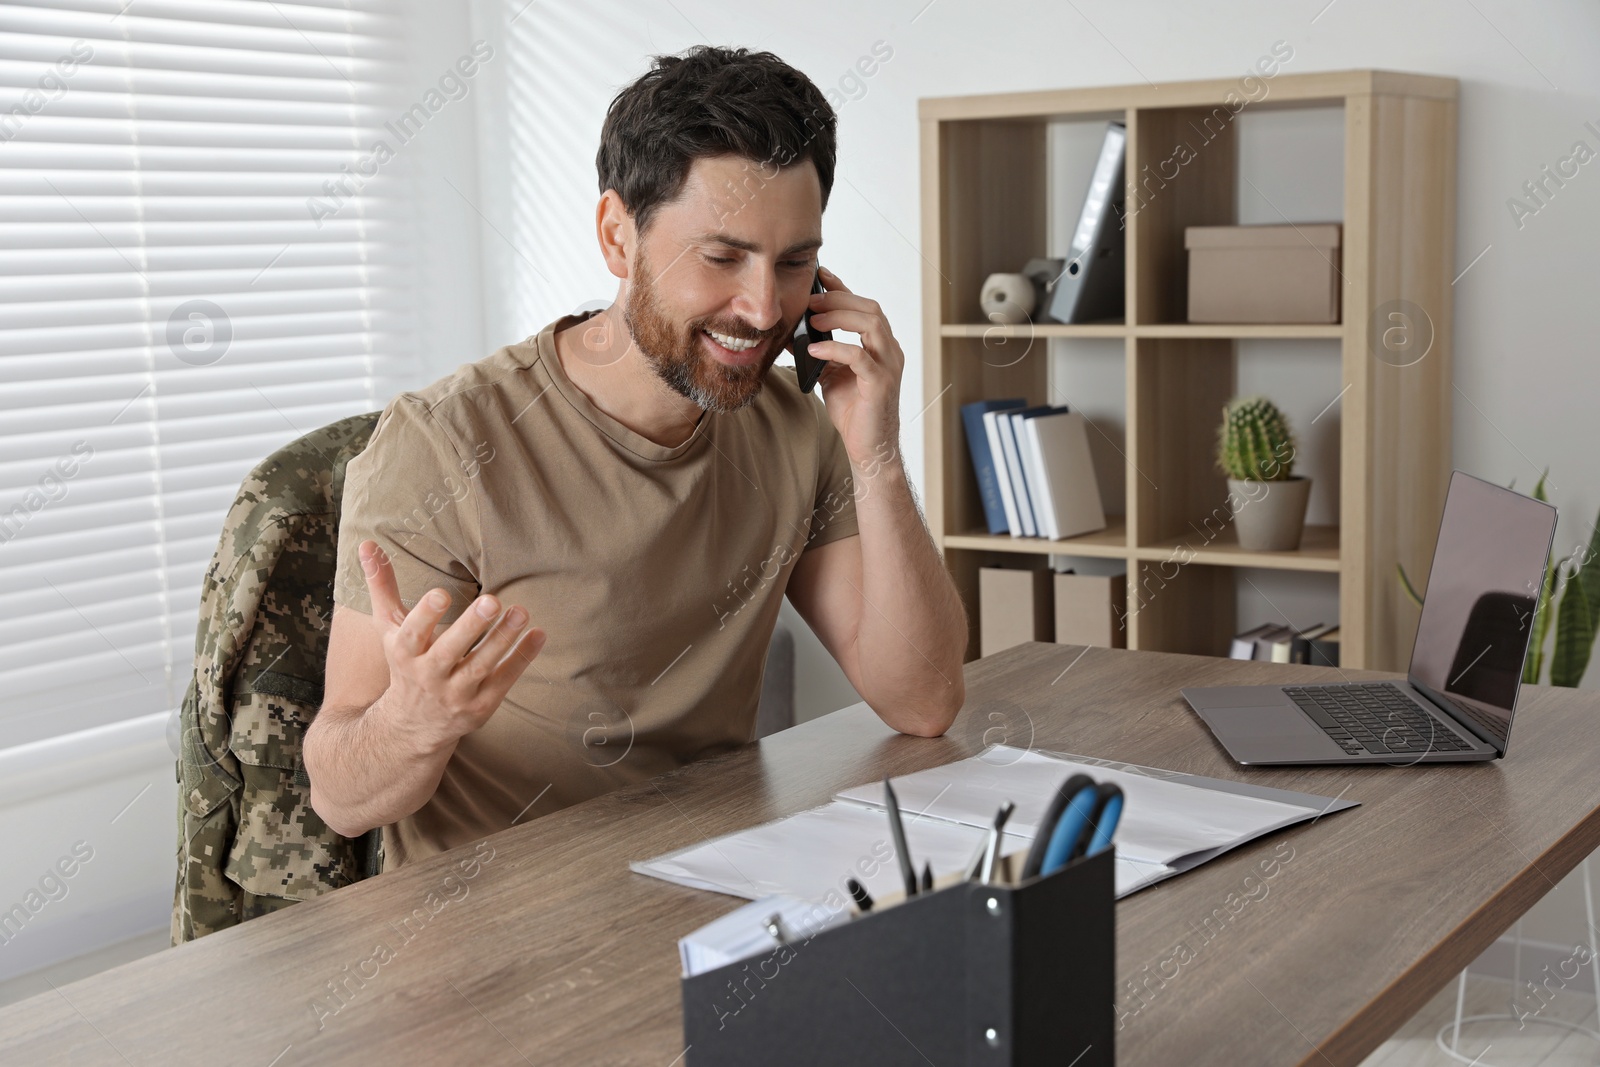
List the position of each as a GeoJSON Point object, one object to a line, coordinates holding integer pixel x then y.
{"type": "Point", "coordinates": [614, 228]}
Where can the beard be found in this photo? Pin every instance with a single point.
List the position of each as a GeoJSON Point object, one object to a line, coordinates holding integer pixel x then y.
{"type": "Point", "coordinates": [680, 359]}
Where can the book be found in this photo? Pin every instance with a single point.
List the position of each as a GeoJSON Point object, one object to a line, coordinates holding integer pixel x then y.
{"type": "Point", "coordinates": [1024, 526]}
{"type": "Point", "coordinates": [983, 459]}
{"type": "Point", "coordinates": [1031, 472]}
{"type": "Point", "coordinates": [1265, 641]}
{"type": "Point", "coordinates": [1067, 497]}
{"type": "Point", "coordinates": [1244, 645]}
{"type": "Point", "coordinates": [1324, 651]}
{"type": "Point", "coordinates": [1300, 651]}
{"type": "Point", "coordinates": [1092, 285]}
{"type": "Point", "coordinates": [997, 453]}
{"type": "Point", "coordinates": [1030, 477]}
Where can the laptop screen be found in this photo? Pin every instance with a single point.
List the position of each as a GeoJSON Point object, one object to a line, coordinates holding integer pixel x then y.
{"type": "Point", "coordinates": [1477, 614]}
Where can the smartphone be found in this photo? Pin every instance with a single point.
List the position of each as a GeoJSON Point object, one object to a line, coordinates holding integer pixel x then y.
{"type": "Point", "coordinates": [807, 367]}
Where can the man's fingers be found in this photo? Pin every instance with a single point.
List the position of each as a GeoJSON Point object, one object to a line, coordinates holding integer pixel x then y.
{"type": "Point", "coordinates": [840, 354]}
{"type": "Point", "coordinates": [512, 667]}
{"type": "Point", "coordinates": [416, 633]}
{"type": "Point", "coordinates": [507, 629]}
{"type": "Point", "coordinates": [831, 281]}
{"type": "Point", "coordinates": [455, 642]}
{"type": "Point", "coordinates": [381, 586]}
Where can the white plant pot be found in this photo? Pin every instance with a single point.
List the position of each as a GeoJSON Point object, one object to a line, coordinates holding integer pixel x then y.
{"type": "Point", "coordinates": [1269, 516]}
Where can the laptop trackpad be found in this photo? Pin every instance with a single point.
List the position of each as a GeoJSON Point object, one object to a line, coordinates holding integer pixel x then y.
{"type": "Point", "coordinates": [1263, 722]}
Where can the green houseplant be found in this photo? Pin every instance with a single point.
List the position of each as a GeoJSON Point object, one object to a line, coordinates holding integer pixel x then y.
{"type": "Point", "coordinates": [1256, 450]}
{"type": "Point", "coordinates": [1573, 584]}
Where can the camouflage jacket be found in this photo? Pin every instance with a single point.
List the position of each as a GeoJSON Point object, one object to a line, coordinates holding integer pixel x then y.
{"type": "Point", "coordinates": [248, 841]}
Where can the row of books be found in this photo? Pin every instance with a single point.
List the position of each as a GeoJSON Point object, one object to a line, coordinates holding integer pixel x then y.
{"type": "Point", "coordinates": [1318, 645]}
{"type": "Point", "coordinates": [1035, 474]}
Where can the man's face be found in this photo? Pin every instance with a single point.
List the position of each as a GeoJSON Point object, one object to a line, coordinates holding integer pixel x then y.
{"type": "Point", "coordinates": [734, 255]}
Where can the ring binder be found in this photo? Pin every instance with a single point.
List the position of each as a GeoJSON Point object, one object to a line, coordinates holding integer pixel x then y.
{"type": "Point", "coordinates": [974, 974]}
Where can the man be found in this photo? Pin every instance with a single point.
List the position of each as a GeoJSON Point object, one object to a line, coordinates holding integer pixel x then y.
{"type": "Point", "coordinates": [644, 485]}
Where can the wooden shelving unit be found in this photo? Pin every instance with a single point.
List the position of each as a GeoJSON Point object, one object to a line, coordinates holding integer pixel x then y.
{"type": "Point", "coordinates": [984, 190]}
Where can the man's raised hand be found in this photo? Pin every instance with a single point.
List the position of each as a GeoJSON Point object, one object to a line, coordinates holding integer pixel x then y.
{"type": "Point", "coordinates": [441, 687]}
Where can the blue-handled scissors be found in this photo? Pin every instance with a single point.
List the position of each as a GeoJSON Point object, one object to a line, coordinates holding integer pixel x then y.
{"type": "Point", "coordinates": [1105, 819]}
{"type": "Point", "coordinates": [1041, 838]}
{"type": "Point", "coordinates": [1069, 828]}
{"type": "Point", "coordinates": [1085, 827]}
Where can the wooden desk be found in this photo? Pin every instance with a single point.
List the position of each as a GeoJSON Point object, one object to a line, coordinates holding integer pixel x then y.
{"type": "Point", "coordinates": [555, 953]}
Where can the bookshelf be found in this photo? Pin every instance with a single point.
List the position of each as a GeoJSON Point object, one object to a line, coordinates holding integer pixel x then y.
{"type": "Point", "coordinates": [984, 184]}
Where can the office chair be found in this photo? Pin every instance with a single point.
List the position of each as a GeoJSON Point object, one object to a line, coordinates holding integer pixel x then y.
{"type": "Point", "coordinates": [249, 842]}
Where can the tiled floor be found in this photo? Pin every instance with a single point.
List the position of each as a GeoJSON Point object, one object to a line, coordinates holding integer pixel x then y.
{"type": "Point", "coordinates": [1498, 1043]}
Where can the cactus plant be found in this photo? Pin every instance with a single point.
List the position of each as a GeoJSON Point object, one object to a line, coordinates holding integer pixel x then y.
{"type": "Point", "coordinates": [1254, 443]}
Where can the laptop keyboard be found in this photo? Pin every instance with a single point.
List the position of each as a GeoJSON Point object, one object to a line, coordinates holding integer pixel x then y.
{"type": "Point", "coordinates": [1374, 717]}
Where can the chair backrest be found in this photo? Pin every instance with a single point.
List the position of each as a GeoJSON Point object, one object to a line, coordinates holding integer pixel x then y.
{"type": "Point", "coordinates": [249, 842]}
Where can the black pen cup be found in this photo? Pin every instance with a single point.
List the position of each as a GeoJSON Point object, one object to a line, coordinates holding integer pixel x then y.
{"type": "Point", "coordinates": [968, 974]}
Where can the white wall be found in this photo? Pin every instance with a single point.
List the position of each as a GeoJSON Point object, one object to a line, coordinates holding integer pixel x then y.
{"type": "Point", "coordinates": [111, 799]}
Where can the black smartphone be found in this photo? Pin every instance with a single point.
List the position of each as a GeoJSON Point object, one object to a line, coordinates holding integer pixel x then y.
{"type": "Point", "coordinates": [807, 367]}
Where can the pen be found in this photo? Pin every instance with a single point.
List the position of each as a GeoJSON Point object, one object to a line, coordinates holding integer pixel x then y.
{"type": "Point", "coordinates": [907, 871]}
{"type": "Point", "coordinates": [1069, 828]}
{"type": "Point", "coordinates": [995, 837]}
{"type": "Point", "coordinates": [1041, 838]}
{"type": "Point", "coordinates": [975, 865]}
{"type": "Point", "coordinates": [858, 891]}
{"type": "Point", "coordinates": [979, 871]}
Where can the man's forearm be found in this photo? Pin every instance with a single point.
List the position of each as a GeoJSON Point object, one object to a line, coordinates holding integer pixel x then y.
{"type": "Point", "coordinates": [364, 773]}
{"type": "Point", "coordinates": [912, 635]}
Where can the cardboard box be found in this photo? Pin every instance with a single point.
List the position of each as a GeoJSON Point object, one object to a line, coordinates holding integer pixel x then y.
{"type": "Point", "coordinates": [1013, 607]}
{"type": "Point", "coordinates": [1090, 609]}
{"type": "Point", "coordinates": [1267, 274]}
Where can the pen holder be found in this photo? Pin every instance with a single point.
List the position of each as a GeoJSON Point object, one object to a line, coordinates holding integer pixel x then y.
{"type": "Point", "coordinates": [971, 974]}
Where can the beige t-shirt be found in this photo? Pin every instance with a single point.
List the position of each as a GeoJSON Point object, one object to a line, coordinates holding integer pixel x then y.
{"type": "Point", "coordinates": [656, 572]}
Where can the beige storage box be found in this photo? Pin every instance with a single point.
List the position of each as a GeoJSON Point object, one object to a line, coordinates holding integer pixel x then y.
{"type": "Point", "coordinates": [1013, 607]}
{"type": "Point", "coordinates": [1267, 274]}
{"type": "Point", "coordinates": [1090, 609]}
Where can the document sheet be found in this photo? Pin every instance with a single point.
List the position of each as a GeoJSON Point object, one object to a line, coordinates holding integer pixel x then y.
{"type": "Point", "coordinates": [1170, 823]}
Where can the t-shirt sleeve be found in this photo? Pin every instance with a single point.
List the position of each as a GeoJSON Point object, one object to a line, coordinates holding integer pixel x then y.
{"type": "Point", "coordinates": [413, 492]}
{"type": "Point", "coordinates": [833, 514]}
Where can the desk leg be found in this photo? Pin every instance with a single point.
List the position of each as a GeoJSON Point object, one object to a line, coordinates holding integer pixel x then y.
{"type": "Point", "coordinates": [1461, 1003]}
{"type": "Point", "coordinates": [1594, 950]}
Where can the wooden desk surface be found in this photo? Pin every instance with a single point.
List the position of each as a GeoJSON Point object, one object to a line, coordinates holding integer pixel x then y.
{"type": "Point", "coordinates": [554, 952]}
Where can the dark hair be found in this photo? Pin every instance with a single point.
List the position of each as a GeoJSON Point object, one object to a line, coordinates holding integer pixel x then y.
{"type": "Point", "coordinates": [710, 101]}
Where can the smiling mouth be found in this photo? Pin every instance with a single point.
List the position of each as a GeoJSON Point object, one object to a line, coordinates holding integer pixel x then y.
{"type": "Point", "coordinates": [739, 356]}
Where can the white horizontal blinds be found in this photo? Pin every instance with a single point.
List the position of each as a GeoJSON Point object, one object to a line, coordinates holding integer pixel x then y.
{"type": "Point", "coordinates": [200, 260]}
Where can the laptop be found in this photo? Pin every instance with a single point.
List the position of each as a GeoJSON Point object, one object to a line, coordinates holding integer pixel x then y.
{"type": "Point", "coordinates": [1466, 661]}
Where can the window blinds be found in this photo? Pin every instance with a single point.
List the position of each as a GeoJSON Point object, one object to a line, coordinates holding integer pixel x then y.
{"type": "Point", "coordinates": [200, 260]}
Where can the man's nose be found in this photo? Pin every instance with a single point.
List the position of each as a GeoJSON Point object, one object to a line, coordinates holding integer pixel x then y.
{"type": "Point", "coordinates": [757, 302]}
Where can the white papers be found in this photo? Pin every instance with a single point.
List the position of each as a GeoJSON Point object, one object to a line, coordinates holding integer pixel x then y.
{"type": "Point", "coordinates": [1163, 820]}
{"type": "Point", "coordinates": [1170, 823]}
{"type": "Point", "coordinates": [743, 933]}
{"type": "Point", "coordinates": [811, 855]}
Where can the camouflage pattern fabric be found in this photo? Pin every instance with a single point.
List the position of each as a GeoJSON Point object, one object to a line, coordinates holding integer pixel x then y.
{"type": "Point", "coordinates": [248, 841]}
